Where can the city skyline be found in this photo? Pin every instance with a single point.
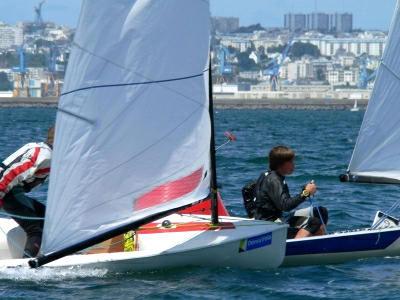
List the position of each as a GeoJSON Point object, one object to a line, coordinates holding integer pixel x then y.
{"type": "Point", "coordinates": [270, 13]}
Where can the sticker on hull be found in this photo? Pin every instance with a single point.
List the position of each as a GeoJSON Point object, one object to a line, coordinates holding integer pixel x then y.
{"type": "Point", "coordinates": [256, 242]}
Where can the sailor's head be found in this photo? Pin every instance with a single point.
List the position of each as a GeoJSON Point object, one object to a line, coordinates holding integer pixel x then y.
{"type": "Point", "coordinates": [50, 135]}
{"type": "Point", "coordinates": [281, 160]}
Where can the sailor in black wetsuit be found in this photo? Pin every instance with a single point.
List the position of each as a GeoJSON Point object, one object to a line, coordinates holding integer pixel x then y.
{"type": "Point", "coordinates": [273, 198]}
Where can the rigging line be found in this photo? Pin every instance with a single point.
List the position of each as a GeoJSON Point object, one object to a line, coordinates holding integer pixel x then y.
{"type": "Point", "coordinates": [132, 71]}
{"type": "Point", "coordinates": [386, 214]}
{"type": "Point", "coordinates": [20, 217]}
{"type": "Point", "coordinates": [133, 83]}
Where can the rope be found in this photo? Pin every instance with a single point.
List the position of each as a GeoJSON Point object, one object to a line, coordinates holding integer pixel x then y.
{"type": "Point", "coordinates": [20, 217]}
{"type": "Point", "coordinates": [227, 142]}
{"type": "Point", "coordinates": [319, 214]}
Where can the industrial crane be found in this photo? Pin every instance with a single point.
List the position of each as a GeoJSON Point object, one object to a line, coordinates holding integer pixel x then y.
{"type": "Point", "coordinates": [365, 77]}
{"type": "Point", "coordinates": [224, 67]}
{"type": "Point", "coordinates": [38, 14]}
{"type": "Point", "coordinates": [273, 68]}
{"type": "Point", "coordinates": [21, 70]}
{"type": "Point", "coordinates": [52, 70]}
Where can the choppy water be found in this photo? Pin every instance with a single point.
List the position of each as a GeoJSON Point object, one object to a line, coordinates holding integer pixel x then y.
{"type": "Point", "coordinates": [323, 140]}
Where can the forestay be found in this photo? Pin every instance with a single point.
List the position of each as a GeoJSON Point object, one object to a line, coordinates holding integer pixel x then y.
{"type": "Point", "coordinates": [133, 128]}
{"type": "Point", "coordinates": [376, 157]}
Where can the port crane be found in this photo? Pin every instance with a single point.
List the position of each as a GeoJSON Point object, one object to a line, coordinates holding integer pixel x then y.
{"type": "Point", "coordinates": [273, 68]}
{"type": "Point", "coordinates": [224, 67]}
{"type": "Point", "coordinates": [365, 77]}
{"type": "Point", "coordinates": [38, 14]}
{"type": "Point", "coordinates": [21, 71]}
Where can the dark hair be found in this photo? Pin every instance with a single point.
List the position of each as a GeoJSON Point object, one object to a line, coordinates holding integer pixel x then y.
{"type": "Point", "coordinates": [279, 155]}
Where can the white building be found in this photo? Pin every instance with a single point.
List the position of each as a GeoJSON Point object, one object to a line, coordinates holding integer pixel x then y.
{"type": "Point", "coordinates": [372, 45]}
{"type": "Point", "coordinates": [10, 36]}
{"type": "Point", "coordinates": [267, 43]}
{"type": "Point", "coordinates": [347, 60]}
{"type": "Point", "coordinates": [343, 77]}
{"type": "Point", "coordinates": [237, 43]}
{"type": "Point", "coordinates": [301, 69]}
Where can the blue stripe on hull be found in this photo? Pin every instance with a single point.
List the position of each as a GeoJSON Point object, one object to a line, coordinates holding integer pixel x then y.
{"type": "Point", "coordinates": [343, 243]}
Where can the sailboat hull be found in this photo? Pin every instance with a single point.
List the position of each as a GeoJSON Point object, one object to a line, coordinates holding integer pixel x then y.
{"type": "Point", "coordinates": [342, 247]}
{"type": "Point", "coordinates": [238, 243]}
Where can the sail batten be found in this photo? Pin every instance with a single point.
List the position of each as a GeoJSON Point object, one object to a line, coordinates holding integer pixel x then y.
{"type": "Point", "coordinates": [130, 145]}
{"type": "Point", "coordinates": [132, 83]}
{"type": "Point", "coordinates": [376, 157]}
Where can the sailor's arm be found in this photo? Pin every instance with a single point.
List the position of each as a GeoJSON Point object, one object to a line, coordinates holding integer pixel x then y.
{"type": "Point", "coordinates": [282, 199]}
{"type": "Point", "coordinates": [35, 163]}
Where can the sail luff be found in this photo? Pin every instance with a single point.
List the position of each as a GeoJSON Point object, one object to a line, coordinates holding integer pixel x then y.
{"type": "Point", "coordinates": [376, 158]}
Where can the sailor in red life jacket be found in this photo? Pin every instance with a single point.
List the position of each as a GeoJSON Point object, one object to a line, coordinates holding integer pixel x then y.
{"type": "Point", "coordinates": [22, 171]}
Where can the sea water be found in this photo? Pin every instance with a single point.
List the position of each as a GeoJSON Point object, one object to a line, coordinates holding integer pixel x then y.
{"type": "Point", "coordinates": [323, 141]}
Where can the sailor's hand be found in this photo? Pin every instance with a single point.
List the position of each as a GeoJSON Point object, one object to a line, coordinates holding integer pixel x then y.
{"type": "Point", "coordinates": [311, 188]}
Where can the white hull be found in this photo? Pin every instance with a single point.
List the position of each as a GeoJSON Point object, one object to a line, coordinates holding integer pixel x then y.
{"type": "Point", "coordinates": [342, 247]}
{"type": "Point", "coordinates": [172, 248]}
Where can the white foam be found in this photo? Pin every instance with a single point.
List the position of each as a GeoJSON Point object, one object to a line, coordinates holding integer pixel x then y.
{"type": "Point", "coordinates": [49, 274]}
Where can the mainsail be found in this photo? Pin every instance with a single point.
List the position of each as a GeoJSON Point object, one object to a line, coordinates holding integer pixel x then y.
{"type": "Point", "coordinates": [376, 157]}
{"type": "Point", "coordinates": [133, 127]}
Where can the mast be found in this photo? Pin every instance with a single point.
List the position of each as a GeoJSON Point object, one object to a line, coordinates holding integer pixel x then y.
{"type": "Point", "coordinates": [213, 166]}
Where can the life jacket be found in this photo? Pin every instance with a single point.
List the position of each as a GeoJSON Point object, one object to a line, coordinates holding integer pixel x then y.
{"type": "Point", "coordinates": [27, 167]}
{"type": "Point", "coordinates": [249, 194]}
{"type": "Point", "coordinates": [249, 198]}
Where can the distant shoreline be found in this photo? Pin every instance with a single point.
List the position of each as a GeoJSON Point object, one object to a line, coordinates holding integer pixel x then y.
{"type": "Point", "coordinates": [28, 102]}
{"type": "Point", "coordinates": [299, 104]}
{"type": "Point", "coordinates": [219, 103]}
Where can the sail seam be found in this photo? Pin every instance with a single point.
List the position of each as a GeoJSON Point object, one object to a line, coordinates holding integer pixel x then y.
{"type": "Point", "coordinates": [75, 115]}
{"type": "Point", "coordinates": [390, 70]}
{"type": "Point", "coordinates": [134, 83]}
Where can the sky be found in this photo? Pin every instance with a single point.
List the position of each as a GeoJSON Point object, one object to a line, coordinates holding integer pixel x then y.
{"type": "Point", "coordinates": [368, 14]}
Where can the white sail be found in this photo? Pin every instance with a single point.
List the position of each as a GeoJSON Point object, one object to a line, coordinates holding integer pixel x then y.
{"type": "Point", "coordinates": [133, 127]}
{"type": "Point", "coordinates": [376, 157]}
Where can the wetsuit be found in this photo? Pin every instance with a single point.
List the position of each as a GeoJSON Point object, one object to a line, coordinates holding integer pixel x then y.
{"type": "Point", "coordinates": [273, 198]}
{"type": "Point", "coordinates": [25, 169]}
